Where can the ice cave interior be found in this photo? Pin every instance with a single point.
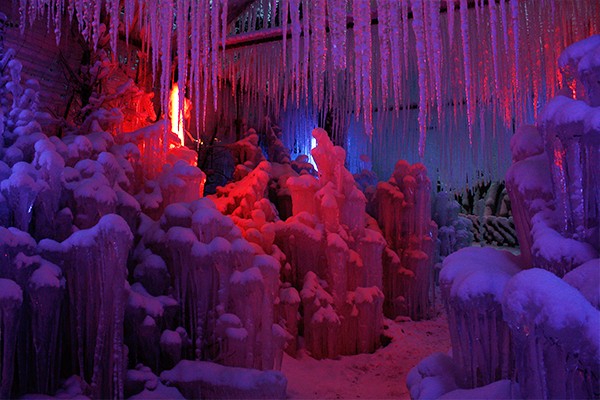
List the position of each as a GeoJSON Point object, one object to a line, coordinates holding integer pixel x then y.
{"type": "Point", "coordinates": [300, 199]}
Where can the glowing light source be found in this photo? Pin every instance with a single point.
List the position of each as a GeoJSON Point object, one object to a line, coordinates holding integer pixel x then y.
{"type": "Point", "coordinates": [176, 115]}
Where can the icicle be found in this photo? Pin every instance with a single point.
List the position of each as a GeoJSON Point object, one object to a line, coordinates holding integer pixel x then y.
{"type": "Point", "coordinates": [214, 50]}
{"type": "Point", "coordinates": [284, 9]}
{"type": "Point", "coordinates": [434, 48]}
{"type": "Point", "coordinates": [396, 60]}
{"type": "Point", "coordinates": [504, 27]}
{"type": "Point", "coordinates": [419, 28]}
{"type": "Point", "coordinates": [306, 49]}
{"type": "Point", "coordinates": [114, 10]}
{"type": "Point", "coordinates": [464, 28]}
{"type": "Point", "coordinates": [450, 12]}
{"type": "Point", "coordinates": [514, 9]}
{"type": "Point", "coordinates": [129, 14]}
{"type": "Point", "coordinates": [318, 49]}
{"type": "Point", "coordinates": [494, 39]}
{"type": "Point", "coordinates": [182, 58]}
{"type": "Point", "coordinates": [361, 13]}
{"type": "Point", "coordinates": [296, 30]}
{"type": "Point", "coordinates": [383, 13]}
{"type": "Point", "coordinates": [337, 26]}
{"type": "Point", "coordinates": [95, 29]}
{"type": "Point", "coordinates": [224, 8]}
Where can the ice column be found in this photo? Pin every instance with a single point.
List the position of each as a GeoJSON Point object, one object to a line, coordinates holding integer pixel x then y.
{"type": "Point", "coordinates": [94, 262]}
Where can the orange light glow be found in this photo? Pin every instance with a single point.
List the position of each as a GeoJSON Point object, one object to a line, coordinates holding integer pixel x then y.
{"type": "Point", "coordinates": [176, 122]}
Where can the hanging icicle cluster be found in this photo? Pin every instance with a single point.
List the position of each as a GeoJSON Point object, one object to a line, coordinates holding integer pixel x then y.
{"type": "Point", "coordinates": [489, 63]}
{"type": "Point", "coordinates": [467, 71]}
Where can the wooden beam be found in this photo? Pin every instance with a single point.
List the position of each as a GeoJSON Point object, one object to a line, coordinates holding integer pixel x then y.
{"type": "Point", "coordinates": [276, 34]}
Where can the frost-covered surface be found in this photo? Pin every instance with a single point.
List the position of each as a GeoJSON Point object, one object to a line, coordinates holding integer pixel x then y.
{"type": "Point", "coordinates": [433, 377]}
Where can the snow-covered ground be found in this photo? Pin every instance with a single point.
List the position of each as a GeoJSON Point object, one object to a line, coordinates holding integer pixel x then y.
{"type": "Point", "coordinates": [381, 375]}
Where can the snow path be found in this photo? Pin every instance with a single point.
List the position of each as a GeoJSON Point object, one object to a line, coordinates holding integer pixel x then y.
{"type": "Point", "coordinates": [381, 375]}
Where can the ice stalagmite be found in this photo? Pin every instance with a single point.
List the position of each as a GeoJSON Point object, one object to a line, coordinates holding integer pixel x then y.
{"type": "Point", "coordinates": [404, 215]}
{"type": "Point", "coordinates": [94, 264]}
{"type": "Point", "coordinates": [40, 343]}
{"type": "Point", "coordinates": [10, 311]}
{"type": "Point", "coordinates": [335, 259]}
{"type": "Point", "coordinates": [472, 282]}
{"type": "Point", "coordinates": [557, 348]}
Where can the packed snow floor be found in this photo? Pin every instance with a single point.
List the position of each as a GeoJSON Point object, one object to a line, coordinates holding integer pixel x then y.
{"type": "Point", "coordinates": [381, 375]}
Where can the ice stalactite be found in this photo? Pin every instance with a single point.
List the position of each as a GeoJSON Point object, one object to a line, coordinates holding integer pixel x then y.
{"type": "Point", "coordinates": [419, 28]}
{"type": "Point", "coordinates": [384, 27]}
{"type": "Point", "coordinates": [336, 11]}
{"type": "Point", "coordinates": [464, 29]}
{"type": "Point", "coordinates": [318, 49]}
{"type": "Point", "coordinates": [505, 31]}
{"type": "Point", "coordinates": [94, 262]}
{"type": "Point", "coordinates": [434, 53]}
{"type": "Point", "coordinates": [361, 12]}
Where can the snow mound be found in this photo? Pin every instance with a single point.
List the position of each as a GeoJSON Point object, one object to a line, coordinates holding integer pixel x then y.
{"type": "Point", "coordinates": [200, 379]}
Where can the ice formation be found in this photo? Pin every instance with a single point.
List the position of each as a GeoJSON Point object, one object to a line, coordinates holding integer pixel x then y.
{"type": "Point", "coordinates": [105, 234]}
{"type": "Point", "coordinates": [513, 317]}
{"type": "Point", "coordinates": [356, 73]}
{"type": "Point", "coordinates": [83, 251]}
{"type": "Point", "coordinates": [402, 207]}
{"type": "Point", "coordinates": [330, 255]}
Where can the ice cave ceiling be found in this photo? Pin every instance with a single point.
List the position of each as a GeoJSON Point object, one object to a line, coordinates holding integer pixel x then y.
{"type": "Point", "coordinates": [434, 81]}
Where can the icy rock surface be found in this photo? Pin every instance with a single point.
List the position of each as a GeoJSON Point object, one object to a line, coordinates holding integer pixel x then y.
{"type": "Point", "coordinates": [200, 379]}
{"type": "Point", "coordinates": [472, 281]}
{"type": "Point", "coordinates": [403, 211]}
{"type": "Point", "coordinates": [555, 329]}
